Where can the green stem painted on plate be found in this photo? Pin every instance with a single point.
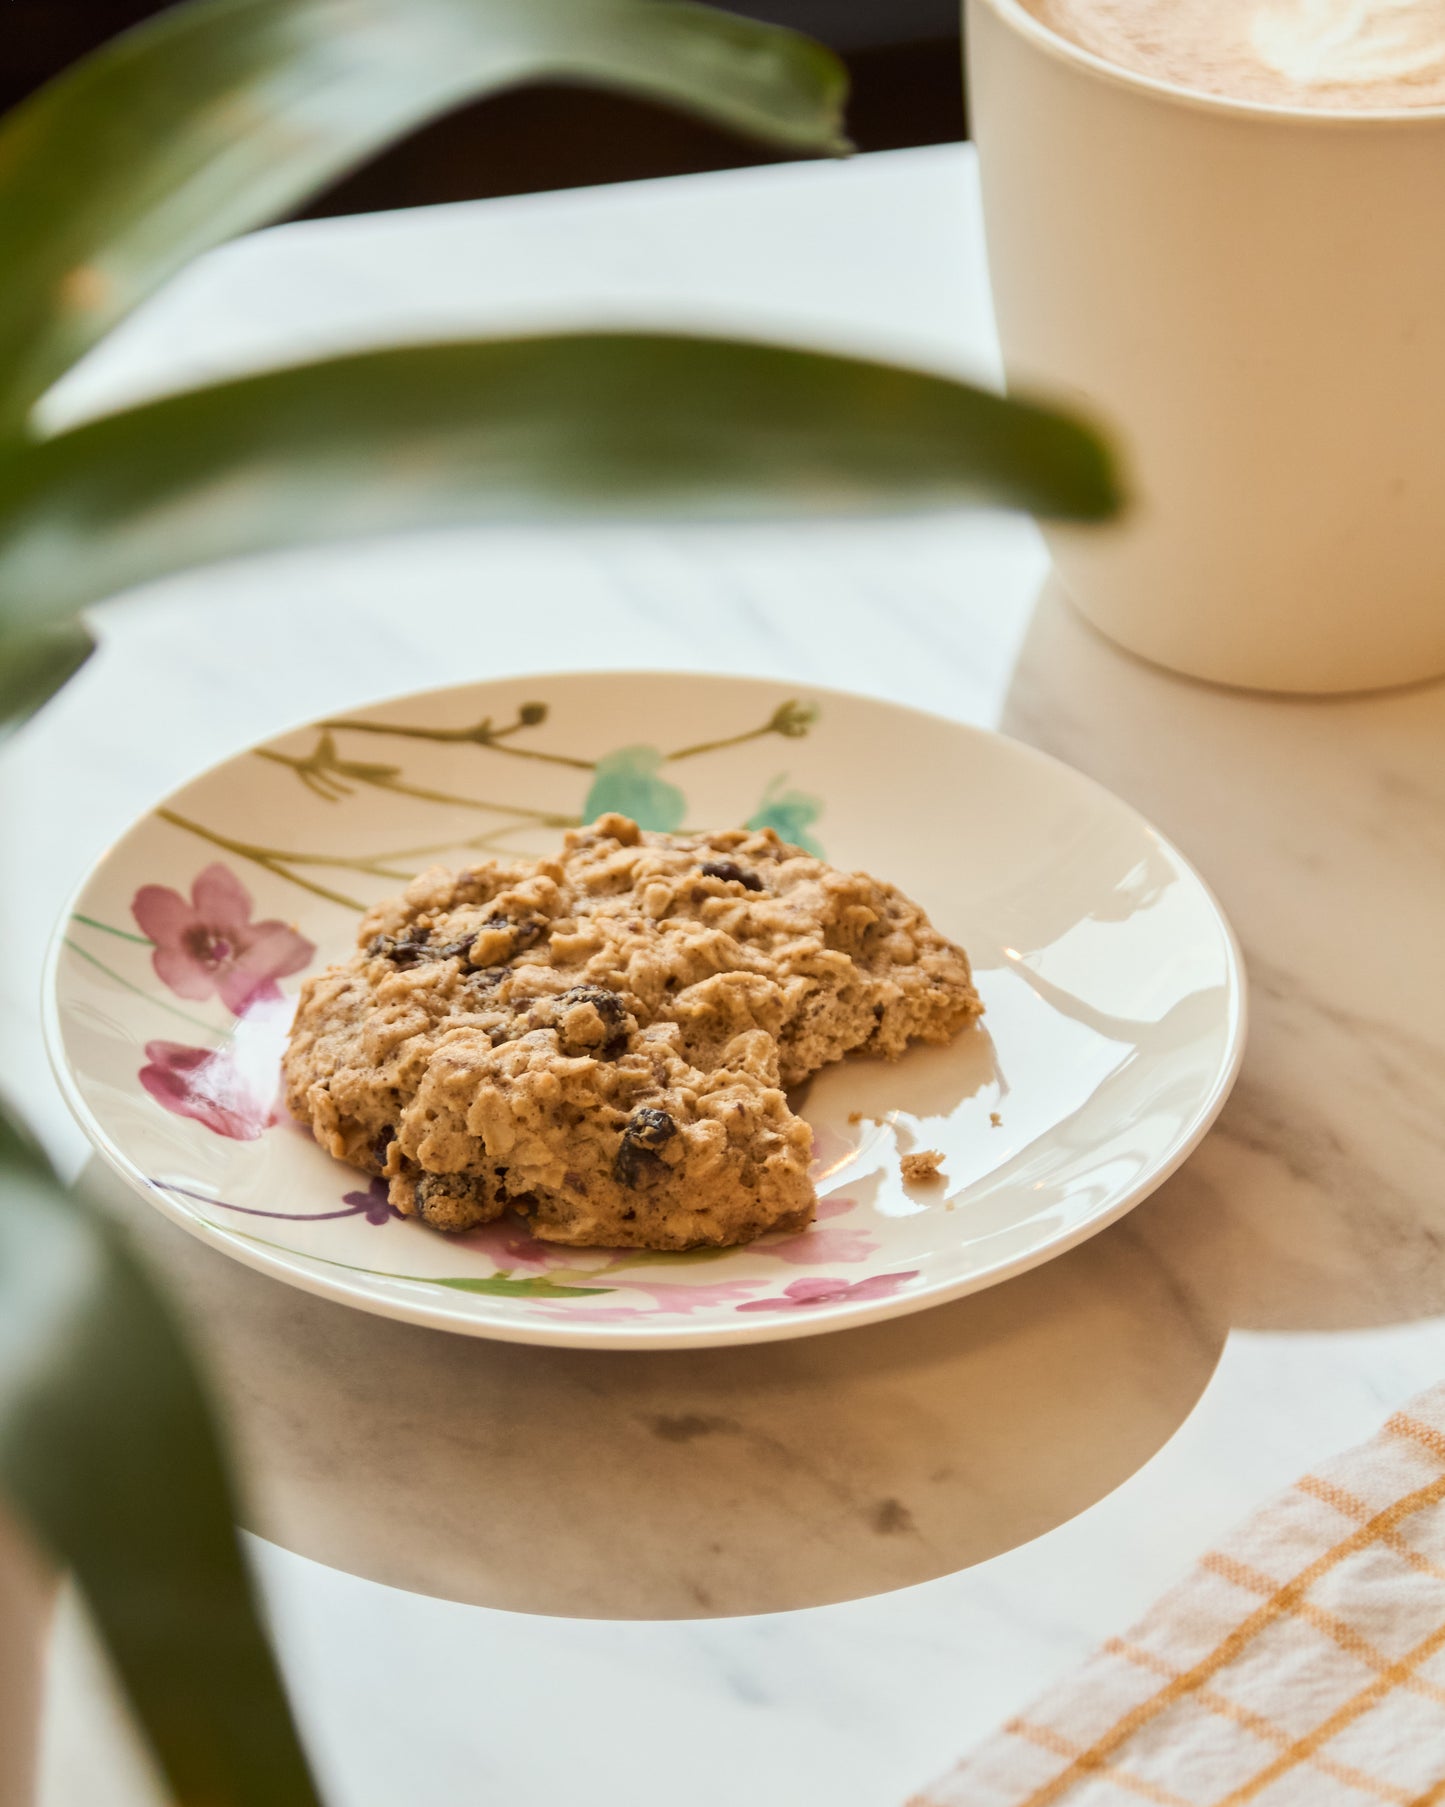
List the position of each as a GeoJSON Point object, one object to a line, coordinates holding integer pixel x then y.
{"type": "Point", "coordinates": [333, 778]}
{"type": "Point", "coordinates": [716, 746]}
{"type": "Point", "coordinates": [106, 928]}
{"type": "Point", "coordinates": [543, 818]}
{"type": "Point", "coordinates": [664, 1258]}
{"type": "Point", "coordinates": [271, 858]}
{"type": "Point", "coordinates": [325, 774]}
{"type": "Point", "coordinates": [149, 996]}
{"type": "Point", "coordinates": [533, 1288]}
{"type": "Point", "coordinates": [499, 1285]}
{"type": "Point", "coordinates": [791, 719]}
{"type": "Point", "coordinates": [484, 843]}
{"type": "Point", "coordinates": [480, 734]}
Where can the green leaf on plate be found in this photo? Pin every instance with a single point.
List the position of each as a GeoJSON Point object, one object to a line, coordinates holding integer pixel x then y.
{"type": "Point", "coordinates": [629, 782]}
{"type": "Point", "coordinates": [504, 1288]}
{"type": "Point", "coordinates": [663, 1258]}
{"type": "Point", "coordinates": [502, 1285]}
{"type": "Point", "coordinates": [34, 666]}
{"type": "Point", "coordinates": [790, 814]}
{"type": "Point", "coordinates": [220, 115]}
{"type": "Point", "coordinates": [108, 1452]}
{"type": "Point", "coordinates": [576, 425]}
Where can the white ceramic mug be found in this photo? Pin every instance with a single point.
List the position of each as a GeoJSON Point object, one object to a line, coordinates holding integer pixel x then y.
{"type": "Point", "coordinates": [1253, 297]}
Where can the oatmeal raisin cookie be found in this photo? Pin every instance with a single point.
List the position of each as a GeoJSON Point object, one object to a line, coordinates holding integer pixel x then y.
{"type": "Point", "coordinates": [602, 1041]}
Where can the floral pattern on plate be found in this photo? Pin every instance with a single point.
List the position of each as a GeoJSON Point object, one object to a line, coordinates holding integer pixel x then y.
{"type": "Point", "coordinates": [1113, 989]}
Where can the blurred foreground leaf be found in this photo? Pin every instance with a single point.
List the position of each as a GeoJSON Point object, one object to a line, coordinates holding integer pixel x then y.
{"type": "Point", "coordinates": [216, 117]}
{"type": "Point", "coordinates": [106, 1449]}
{"type": "Point", "coordinates": [515, 430]}
{"type": "Point", "coordinates": [34, 666]}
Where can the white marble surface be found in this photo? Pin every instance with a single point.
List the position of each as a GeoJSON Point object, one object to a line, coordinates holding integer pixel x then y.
{"type": "Point", "coordinates": [1095, 1424]}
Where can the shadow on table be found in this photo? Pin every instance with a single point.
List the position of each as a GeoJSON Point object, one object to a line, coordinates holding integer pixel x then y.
{"type": "Point", "coordinates": [692, 1483]}
{"type": "Point", "coordinates": [1316, 1202]}
{"type": "Point", "coordinates": [666, 1484]}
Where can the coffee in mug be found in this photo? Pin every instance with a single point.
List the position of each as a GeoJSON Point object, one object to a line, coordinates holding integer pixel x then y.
{"type": "Point", "coordinates": [1216, 225]}
{"type": "Point", "coordinates": [1336, 55]}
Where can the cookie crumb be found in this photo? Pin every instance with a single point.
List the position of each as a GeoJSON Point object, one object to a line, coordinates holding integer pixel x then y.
{"type": "Point", "coordinates": [995, 1119]}
{"type": "Point", "coordinates": [922, 1166]}
{"type": "Point", "coordinates": [855, 1116]}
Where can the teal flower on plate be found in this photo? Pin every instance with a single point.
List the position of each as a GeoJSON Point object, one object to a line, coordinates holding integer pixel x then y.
{"type": "Point", "coordinates": [790, 814]}
{"type": "Point", "coordinates": [627, 781]}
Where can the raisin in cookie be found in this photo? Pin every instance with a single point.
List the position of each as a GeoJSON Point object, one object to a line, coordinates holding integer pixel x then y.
{"type": "Point", "coordinates": [601, 1041]}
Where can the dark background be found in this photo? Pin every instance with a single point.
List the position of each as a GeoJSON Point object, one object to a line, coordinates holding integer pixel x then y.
{"type": "Point", "coordinates": [903, 55]}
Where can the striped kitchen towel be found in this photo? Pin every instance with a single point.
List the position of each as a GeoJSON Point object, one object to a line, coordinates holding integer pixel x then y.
{"type": "Point", "coordinates": [1302, 1664]}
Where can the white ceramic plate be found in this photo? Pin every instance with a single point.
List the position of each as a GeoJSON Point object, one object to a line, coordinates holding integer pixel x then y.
{"type": "Point", "coordinates": [1114, 989]}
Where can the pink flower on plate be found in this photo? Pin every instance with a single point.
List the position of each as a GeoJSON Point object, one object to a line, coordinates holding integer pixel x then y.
{"type": "Point", "coordinates": [210, 946]}
{"type": "Point", "coordinates": [821, 1291]}
{"type": "Point", "coordinates": [681, 1300]}
{"type": "Point", "coordinates": [509, 1244]}
{"type": "Point", "coordinates": [201, 1083]}
{"type": "Point", "coordinates": [233, 1090]}
{"type": "Point", "coordinates": [817, 1247]}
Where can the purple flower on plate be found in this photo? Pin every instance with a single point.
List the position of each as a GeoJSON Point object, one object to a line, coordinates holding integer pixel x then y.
{"type": "Point", "coordinates": [209, 946]}
{"type": "Point", "coordinates": [820, 1291]}
{"type": "Point", "coordinates": [372, 1204]}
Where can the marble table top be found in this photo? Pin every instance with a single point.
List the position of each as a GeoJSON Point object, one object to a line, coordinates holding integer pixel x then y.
{"type": "Point", "coordinates": [811, 1570]}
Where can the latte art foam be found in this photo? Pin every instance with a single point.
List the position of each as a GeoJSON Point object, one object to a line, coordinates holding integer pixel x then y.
{"type": "Point", "coordinates": [1334, 55]}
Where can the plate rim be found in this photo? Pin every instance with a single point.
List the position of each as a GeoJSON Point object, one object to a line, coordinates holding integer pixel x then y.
{"type": "Point", "coordinates": [556, 1333]}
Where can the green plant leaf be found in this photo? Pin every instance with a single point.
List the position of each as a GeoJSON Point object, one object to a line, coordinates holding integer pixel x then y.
{"type": "Point", "coordinates": [220, 115]}
{"type": "Point", "coordinates": [514, 430]}
{"type": "Point", "coordinates": [107, 1450]}
{"type": "Point", "coordinates": [34, 666]}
